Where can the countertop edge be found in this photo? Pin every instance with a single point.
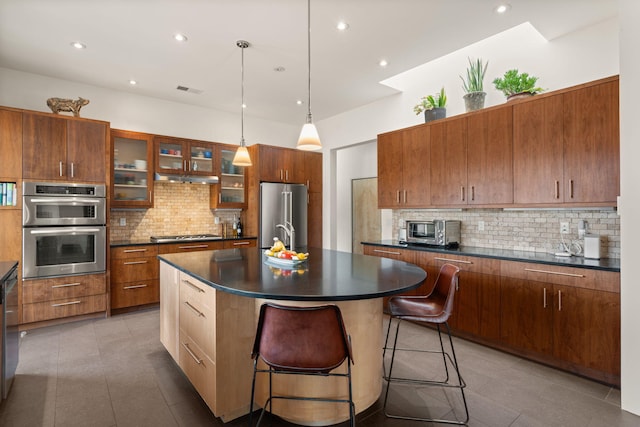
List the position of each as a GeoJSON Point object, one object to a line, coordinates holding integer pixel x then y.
{"type": "Point", "coordinates": [120, 243]}
{"type": "Point", "coordinates": [604, 264]}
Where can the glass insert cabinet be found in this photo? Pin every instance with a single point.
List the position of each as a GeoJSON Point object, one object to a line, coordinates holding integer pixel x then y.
{"type": "Point", "coordinates": [231, 191]}
{"type": "Point", "coordinates": [132, 169]}
{"type": "Point", "coordinates": [184, 157]}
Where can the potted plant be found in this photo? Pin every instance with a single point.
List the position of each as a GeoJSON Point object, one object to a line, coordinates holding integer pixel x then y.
{"type": "Point", "coordinates": [516, 85]}
{"type": "Point", "coordinates": [434, 106]}
{"type": "Point", "coordinates": [473, 85]}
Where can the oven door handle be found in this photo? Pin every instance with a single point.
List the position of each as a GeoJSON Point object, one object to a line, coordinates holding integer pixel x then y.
{"type": "Point", "coordinates": [61, 200]}
{"type": "Point", "coordinates": [58, 230]}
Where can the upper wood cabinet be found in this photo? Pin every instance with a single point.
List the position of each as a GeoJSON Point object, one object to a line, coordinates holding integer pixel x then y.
{"type": "Point", "coordinates": [538, 151]}
{"type": "Point", "coordinates": [64, 149]}
{"type": "Point", "coordinates": [132, 169]}
{"type": "Point", "coordinates": [282, 165]}
{"type": "Point", "coordinates": [231, 192]}
{"type": "Point", "coordinates": [403, 159]}
{"type": "Point", "coordinates": [449, 163]}
{"type": "Point", "coordinates": [184, 156]}
{"type": "Point", "coordinates": [592, 144]}
{"type": "Point", "coordinates": [567, 147]}
{"type": "Point", "coordinates": [11, 145]}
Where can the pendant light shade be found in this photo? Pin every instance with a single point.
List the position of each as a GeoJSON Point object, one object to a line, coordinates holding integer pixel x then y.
{"type": "Point", "coordinates": [309, 139]}
{"type": "Point", "coordinates": [241, 157]}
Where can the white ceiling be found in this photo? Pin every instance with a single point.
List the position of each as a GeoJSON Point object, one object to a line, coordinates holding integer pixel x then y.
{"type": "Point", "coordinates": [133, 39]}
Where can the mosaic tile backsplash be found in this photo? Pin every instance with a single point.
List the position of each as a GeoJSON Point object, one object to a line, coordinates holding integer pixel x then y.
{"type": "Point", "coordinates": [536, 230]}
{"type": "Point", "coordinates": [178, 209]}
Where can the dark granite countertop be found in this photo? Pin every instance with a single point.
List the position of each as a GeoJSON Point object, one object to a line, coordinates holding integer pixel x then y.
{"type": "Point", "coordinates": [325, 276]}
{"type": "Point", "coordinates": [607, 264]}
{"type": "Point", "coordinates": [147, 241]}
{"type": "Point", "coordinates": [5, 268]}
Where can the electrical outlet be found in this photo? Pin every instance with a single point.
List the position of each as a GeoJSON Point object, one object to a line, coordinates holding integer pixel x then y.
{"type": "Point", "coordinates": [480, 225]}
{"type": "Point", "coordinates": [123, 222]}
{"type": "Point", "coordinates": [564, 228]}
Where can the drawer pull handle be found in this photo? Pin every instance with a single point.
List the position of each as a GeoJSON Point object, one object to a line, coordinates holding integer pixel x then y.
{"type": "Point", "coordinates": [134, 250]}
{"type": "Point", "coordinates": [557, 273]}
{"type": "Point", "coordinates": [386, 252]}
{"type": "Point", "coordinates": [65, 303]}
{"type": "Point", "coordinates": [193, 285]}
{"type": "Point", "coordinates": [240, 243]}
{"type": "Point", "coordinates": [559, 300]}
{"type": "Point", "coordinates": [193, 246]}
{"type": "Point", "coordinates": [135, 286]}
{"type": "Point", "coordinates": [198, 312]}
{"type": "Point", "coordinates": [66, 285]}
{"type": "Point", "coordinates": [192, 354]}
{"type": "Point", "coordinates": [544, 298]}
{"type": "Point", "coordinates": [461, 261]}
{"type": "Point", "coordinates": [135, 262]}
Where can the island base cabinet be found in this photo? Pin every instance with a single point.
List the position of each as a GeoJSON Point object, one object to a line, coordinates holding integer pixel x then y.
{"type": "Point", "coordinates": [169, 305]}
{"type": "Point", "coordinates": [199, 368]}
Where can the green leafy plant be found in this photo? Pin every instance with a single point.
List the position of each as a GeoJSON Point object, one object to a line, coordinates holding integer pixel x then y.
{"type": "Point", "coordinates": [429, 102]}
{"type": "Point", "coordinates": [475, 76]}
{"type": "Point", "coordinates": [513, 82]}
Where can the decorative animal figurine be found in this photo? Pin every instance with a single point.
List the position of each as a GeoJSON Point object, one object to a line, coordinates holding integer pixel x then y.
{"type": "Point", "coordinates": [71, 105]}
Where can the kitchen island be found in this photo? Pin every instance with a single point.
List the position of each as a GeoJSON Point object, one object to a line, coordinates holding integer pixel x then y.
{"type": "Point", "coordinates": [209, 302]}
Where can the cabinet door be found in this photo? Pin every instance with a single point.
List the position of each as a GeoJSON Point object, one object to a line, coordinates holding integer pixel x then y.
{"type": "Point", "coordinates": [416, 187]}
{"type": "Point", "coordinates": [313, 171]}
{"type": "Point", "coordinates": [586, 325]}
{"type": "Point", "coordinates": [44, 147]}
{"type": "Point", "coordinates": [132, 180]}
{"type": "Point", "coordinates": [170, 155]}
{"type": "Point", "coordinates": [449, 163]}
{"type": "Point", "coordinates": [592, 144]}
{"type": "Point", "coordinates": [281, 165]}
{"type": "Point", "coordinates": [390, 151]}
{"type": "Point", "coordinates": [490, 157]}
{"type": "Point", "coordinates": [199, 158]}
{"type": "Point", "coordinates": [538, 151]}
{"type": "Point", "coordinates": [232, 190]}
{"type": "Point", "coordinates": [314, 212]}
{"type": "Point", "coordinates": [11, 145]}
{"type": "Point", "coordinates": [525, 322]}
{"type": "Point", "coordinates": [270, 165]}
{"type": "Point", "coordinates": [87, 152]}
{"type": "Point", "coordinates": [169, 308]}
{"type": "Point", "coordinates": [477, 305]}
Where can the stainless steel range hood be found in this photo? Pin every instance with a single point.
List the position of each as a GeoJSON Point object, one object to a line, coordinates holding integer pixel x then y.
{"type": "Point", "coordinates": [195, 179]}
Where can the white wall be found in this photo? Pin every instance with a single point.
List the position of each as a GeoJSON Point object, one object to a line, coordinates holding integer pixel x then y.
{"type": "Point", "coordinates": [141, 113]}
{"type": "Point", "coordinates": [629, 207]}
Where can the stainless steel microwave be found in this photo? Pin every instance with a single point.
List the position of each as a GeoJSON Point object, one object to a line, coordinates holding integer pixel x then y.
{"type": "Point", "coordinates": [438, 232]}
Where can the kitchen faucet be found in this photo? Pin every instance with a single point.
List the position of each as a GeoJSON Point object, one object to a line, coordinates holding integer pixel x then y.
{"type": "Point", "coordinates": [291, 232]}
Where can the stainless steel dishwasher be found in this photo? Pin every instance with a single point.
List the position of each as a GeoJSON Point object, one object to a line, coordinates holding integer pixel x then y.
{"type": "Point", "coordinates": [9, 326]}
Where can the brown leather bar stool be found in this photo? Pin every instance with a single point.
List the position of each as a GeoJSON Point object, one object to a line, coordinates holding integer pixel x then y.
{"type": "Point", "coordinates": [434, 308]}
{"type": "Point", "coordinates": [301, 341]}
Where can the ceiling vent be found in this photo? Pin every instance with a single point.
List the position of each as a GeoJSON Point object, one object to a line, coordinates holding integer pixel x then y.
{"type": "Point", "coordinates": [189, 89]}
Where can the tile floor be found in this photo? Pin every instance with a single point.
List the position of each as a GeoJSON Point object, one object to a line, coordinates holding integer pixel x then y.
{"type": "Point", "coordinates": [114, 372]}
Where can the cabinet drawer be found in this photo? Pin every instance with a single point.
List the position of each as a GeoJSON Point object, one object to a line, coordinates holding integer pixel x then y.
{"type": "Point", "coordinates": [465, 263]}
{"type": "Point", "coordinates": [134, 251]}
{"type": "Point", "coordinates": [41, 290]}
{"type": "Point", "coordinates": [248, 243]}
{"type": "Point", "coordinates": [134, 269]}
{"type": "Point", "coordinates": [63, 308]}
{"type": "Point", "coordinates": [134, 293]}
{"type": "Point", "coordinates": [569, 276]}
{"type": "Point", "coordinates": [199, 368]}
{"type": "Point", "coordinates": [189, 246]}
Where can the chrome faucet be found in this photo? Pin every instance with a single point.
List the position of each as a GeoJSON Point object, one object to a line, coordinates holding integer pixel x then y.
{"type": "Point", "coordinates": [291, 233]}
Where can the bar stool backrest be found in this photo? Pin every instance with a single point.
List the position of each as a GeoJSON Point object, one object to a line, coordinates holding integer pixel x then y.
{"type": "Point", "coordinates": [307, 339]}
{"type": "Point", "coordinates": [445, 289]}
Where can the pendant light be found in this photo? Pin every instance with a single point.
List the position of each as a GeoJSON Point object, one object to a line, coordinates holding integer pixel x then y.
{"type": "Point", "coordinates": [242, 155]}
{"type": "Point", "coordinates": [309, 139]}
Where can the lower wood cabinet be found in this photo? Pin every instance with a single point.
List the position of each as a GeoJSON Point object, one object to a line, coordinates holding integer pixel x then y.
{"type": "Point", "coordinates": [60, 297]}
{"type": "Point", "coordinates": [134, 276]}
{"type": "Point", "coordinates": [567, 317]}
{"type": "Point", "coordinates": [202, 329]}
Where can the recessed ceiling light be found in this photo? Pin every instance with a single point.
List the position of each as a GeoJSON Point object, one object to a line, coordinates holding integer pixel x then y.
{"type": "Point", "coordinates": [299, 102]}
{"type": "Point", "coordinates": [503, 8]}
{"type": "Point", "coordinates": [342, 26]}
{"type": "Point", "coordinates": [79, 45]}
{"type": "Point", "coordinates": [383, 63]}
{"type": "Point", "coordinates": [279, 69]}
{"type": "Point", "coordinates": [133, 82]}
{"type": "Point", "coordinates": [244, 105]}
{"type": "Point", "coordinates": [180, 37]}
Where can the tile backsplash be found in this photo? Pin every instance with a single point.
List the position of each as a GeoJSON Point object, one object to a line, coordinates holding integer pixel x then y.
{"type": "Point", "coordinates": [178, 209]}
{"type": "Point", "coordinates": [536, 230]}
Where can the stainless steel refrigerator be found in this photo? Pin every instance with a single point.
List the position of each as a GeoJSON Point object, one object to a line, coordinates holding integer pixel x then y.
{"type": "Point", "coordinates": [283, 211]}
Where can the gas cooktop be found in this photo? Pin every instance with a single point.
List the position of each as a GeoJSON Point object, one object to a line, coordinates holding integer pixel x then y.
{"type": "Point", "coordinates": [184, 237]}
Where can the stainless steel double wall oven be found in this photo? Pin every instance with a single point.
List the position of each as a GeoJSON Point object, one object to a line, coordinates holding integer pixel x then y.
{"type": "Point", "coordinates": [63, 229]}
